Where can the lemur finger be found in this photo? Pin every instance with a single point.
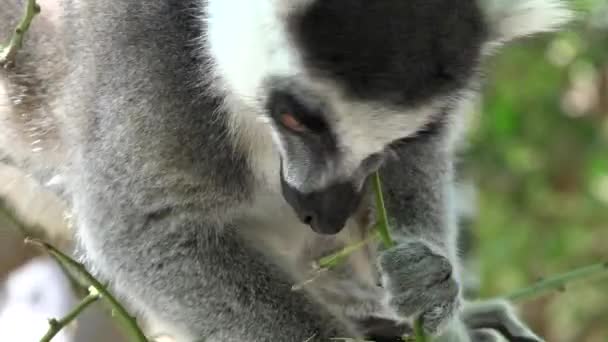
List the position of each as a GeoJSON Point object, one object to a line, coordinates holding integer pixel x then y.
{"type": "Point", "coordinates": [498, 315]}
{"type": "Point", "coordinates": [486, 336]}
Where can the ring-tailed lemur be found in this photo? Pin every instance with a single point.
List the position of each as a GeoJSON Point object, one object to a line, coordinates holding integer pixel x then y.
{"type": "Point", "coordinates": [199, 141]}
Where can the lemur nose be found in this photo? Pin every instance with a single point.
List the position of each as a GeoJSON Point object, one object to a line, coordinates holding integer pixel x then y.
{"type": "Point", "coordinates": [326, 210]}
{"type": "Point", "coordinates": [308, 219]}
{"type": "Point", "coordinates": [323, 223]}
{"type": "Point", "coordinates": [328, 227]}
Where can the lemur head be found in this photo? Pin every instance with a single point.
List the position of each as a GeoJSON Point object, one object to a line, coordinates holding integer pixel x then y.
{"type": "Point", "coordinates": [340, 80]}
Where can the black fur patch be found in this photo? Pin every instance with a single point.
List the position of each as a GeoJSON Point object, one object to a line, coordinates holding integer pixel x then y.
{"type": "Point", "coordinates": [397, 51]}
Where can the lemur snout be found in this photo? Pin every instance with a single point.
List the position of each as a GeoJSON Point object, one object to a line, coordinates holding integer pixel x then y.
{"type": "Point", "coordinates": [327, 210]}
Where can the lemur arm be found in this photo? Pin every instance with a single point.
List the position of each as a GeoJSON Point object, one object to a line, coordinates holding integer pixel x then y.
{"type": "Point", "coordinates": [417, 189]}
{"type": "Point", "coordinates": [421, 273]}
{"type": "Point", "coordinates": [206, 282]}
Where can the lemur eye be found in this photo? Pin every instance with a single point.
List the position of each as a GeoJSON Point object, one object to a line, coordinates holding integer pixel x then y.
{"type": "Point", "coordinates": [289, 121]}
{"type": "Point", "coordinates": [294, 115]}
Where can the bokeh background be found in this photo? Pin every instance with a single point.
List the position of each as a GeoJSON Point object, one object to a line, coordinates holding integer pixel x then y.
{"type": "Point", "coordinates": [537, 159]}
{"type": "Point", "coordinates": [538, 156]}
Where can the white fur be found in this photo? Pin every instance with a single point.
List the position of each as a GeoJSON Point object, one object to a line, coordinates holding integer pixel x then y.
{"type": "Point", "coordinates": [5, 102]}
{"type": "Point", "coordinates": [248, 43]}
{"type": "Point", "coordinates": [367, 128]}
{"type": "Point", "coordinates": [53, 10]}
{"type": "Point", "coordinates": [513, 19]}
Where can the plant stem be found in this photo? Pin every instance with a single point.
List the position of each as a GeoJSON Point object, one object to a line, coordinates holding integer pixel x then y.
{"type": "Point", "coordinates": [55, 326]}
{"type": "Point", "coordinates": [557, 282]}
{"type": "Point", "coordinates": [382, 226]}
{"type": "Point", "coordinates": [8, 52]}
{"type": "Point", "coordinates": [336, 258]}
{"type": "Point", "coordinates": [419, 331]}
{"type": "Point", "coordinates": [382, 231]}
{"type": "Point", "coordinates": [129, 323]}
{"type": "Point", "coordinates": [385, 235]}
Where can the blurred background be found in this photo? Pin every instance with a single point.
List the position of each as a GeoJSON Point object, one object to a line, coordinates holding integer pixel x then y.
{"type": "Point", "coordinates": [535, 172]}
{"type": "Point", "coordinates": [538, 157]}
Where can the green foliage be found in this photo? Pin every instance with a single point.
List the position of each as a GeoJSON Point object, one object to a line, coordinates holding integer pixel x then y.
{"type": "Point", "coordinates": [540, 159]}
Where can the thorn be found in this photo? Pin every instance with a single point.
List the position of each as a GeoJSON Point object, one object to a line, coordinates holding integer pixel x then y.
{"type": "Point", "coordinates": [54, 323]}
{"type": "Point", "coordinates": [28, 240]}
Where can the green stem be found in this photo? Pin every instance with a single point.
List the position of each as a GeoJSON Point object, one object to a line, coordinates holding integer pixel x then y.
{"type": "Point", "coordinates": [55, 326]}
{"type": "Point", "coordinates": [129, 323]}
{"type": "Point", "coordinates": [382, 226]}
{"type": "Point", "coordinates": [419, 331]}
{"type": "Point", "coordinates": [8, 52]}
{"type": "Point", "coordinates": [30, 231]}
{"type": "Point", "coordinates": [336, 258]}
{"type": "Point", "coordinates": [557, 282]}
{"type": "Point", "coordinates": [385, 235]}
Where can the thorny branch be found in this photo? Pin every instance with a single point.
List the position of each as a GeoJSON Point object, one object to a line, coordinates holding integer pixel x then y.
{"type": "Point", "coordinates": [557, 282]}
{"type": "Point", "coordinates": [55, 325]}
{"type": "Point", "coordinates": [9, 51]}
{"type": "Point", "coordinates": [79, 277]}
{"type": "Point", "coordinates": [78, 271]}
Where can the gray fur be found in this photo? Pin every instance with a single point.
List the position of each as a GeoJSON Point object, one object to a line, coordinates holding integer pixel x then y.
{"type": "Point", "coordinates": [173, 208]}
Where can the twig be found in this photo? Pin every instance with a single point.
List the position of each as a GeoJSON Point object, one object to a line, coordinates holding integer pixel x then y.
{"type": "Point", "coordinates": [385, 235]}
{"type": "Point", "coordinates": [381, 232]}
{"type": "Point", "coordinates": [9, 51]}
{"type": "Point", "coordinates": [419, 335]}
{"type": "Point", "coordinates": [382, 225]}
{"type": "Point", "coordinates": [29, 231]}
{"type": "Point", "coordinates": [336, 258]}
{"type": "Point", "coordinates": [129, 323]}
{"type": "Point", "coordinates": [330, 261]}
{"type": "Point", "coordinates": [55, 325]}
{"type": "Point", "coordinates": [557, 282]}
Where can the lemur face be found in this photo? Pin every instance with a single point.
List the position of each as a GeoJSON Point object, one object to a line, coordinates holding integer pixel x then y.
{"type": "Point", "coordinates": [340, 80]}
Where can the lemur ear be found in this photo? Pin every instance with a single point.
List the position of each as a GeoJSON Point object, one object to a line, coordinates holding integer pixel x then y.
{"type": "Point", "coordinates": [512, 19]}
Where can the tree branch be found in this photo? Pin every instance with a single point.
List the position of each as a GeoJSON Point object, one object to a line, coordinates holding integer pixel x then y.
{"type": "Point", "coordinates": [55, 326]}
{"type": "Point", "coordinates": [556, 282]}
{"type": "Point", "coordinates": [78, 270]}
{"type": "Point", "coordinates": [9, 51]}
